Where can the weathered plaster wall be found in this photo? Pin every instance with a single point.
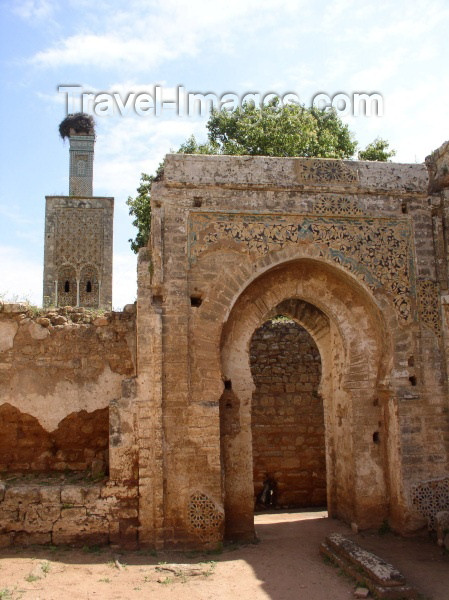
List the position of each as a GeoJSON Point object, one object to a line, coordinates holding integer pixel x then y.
{"type": "Point", "coordinates": [287, 417]}
{"type": "Point", "coordinates": [58, 374]}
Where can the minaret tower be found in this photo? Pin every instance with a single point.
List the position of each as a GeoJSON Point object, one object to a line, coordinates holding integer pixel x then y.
{"type": "Point", "coordinates": [78, 229]}
{"type": "Point", "coordinates": [81, 159]}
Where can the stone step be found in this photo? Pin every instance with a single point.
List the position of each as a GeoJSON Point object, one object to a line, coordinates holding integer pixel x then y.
{"type": "Point", "coordinates": [381, 578]}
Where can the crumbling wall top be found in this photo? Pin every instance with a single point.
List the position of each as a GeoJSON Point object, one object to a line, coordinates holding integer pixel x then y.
{"type": "Point", "coordinates": [266, 172]}
{"type": "Point", "coordinates": [437, 165]}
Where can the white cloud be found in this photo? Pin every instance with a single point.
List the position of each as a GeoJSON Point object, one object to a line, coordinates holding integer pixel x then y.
{"type": "Point", "coordinates": [104, 51]}
{"type": "Point", "coordinates": [148, 33]}
{"type": "Point", "coordinates": [32, 10]}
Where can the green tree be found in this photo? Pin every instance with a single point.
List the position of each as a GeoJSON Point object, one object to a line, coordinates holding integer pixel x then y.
{"type": "Point", "coordinates": [191, 146]}
{"type": "Point", "coordinates": [379, 150]}
{"type": "Point", "coordinates": [271, 130]}
{"type": "Point", "coordinates": [139, 208]}
{"type": "Point", "coordinates": [280, 130]}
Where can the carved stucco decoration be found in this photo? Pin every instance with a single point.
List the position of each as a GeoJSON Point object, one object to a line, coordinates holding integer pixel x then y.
{"type": "Point", "coordinates": [429, 304]}
{"type": "Point", "coordinates": [205, 517]}
{"type": "Point", "coordinates": [325, 171]}
{"type": "Point", "coordinates": [79, 237]}
{"type": "Point", "coordinates": [431, 497]}
{"type": "Point", "coordinates": [377, 250]}
{"type": "Point", "coordinates": [337, 205]}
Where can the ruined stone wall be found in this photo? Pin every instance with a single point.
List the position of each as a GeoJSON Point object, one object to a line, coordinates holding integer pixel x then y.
{"type": "Point", "coordinates": [52, 512]}
{"type": "Point", "coordinates": [287, 418]}
{"type": "Point", "coordinates": [59, 372]}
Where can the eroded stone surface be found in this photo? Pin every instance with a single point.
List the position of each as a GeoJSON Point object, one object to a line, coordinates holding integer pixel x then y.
{"type": "Point", "coordinates": [375, 567]}
{"type": "Point", "coordinates": [8, 331]}
{"type": "Point", "coordinates": [381, 578]}
{"type": "Point", "coordinates": [74, 514]}
{"type": "Point", "coordinates": [442, 526]}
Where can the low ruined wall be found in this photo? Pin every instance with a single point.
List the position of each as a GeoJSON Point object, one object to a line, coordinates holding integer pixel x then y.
{"type": "Point", "coordinates": [59, 372]}
{"type": "Point", "coordinates": [81, 514]}
{"type": "Point", "coordinates": [287, 414]}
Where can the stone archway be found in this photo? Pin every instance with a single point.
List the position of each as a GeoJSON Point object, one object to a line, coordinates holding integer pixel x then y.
{"type": "Point", "coordinates": [348, 329]}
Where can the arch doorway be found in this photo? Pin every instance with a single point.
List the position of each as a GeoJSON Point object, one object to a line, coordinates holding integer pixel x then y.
{"type": "Point", "coordinates": [348, 331]}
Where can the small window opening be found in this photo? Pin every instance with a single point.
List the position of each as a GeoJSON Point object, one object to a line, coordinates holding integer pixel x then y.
{"type": "Point", "coordinates": [411, 361]}
{"type": "Point", "coordinates": [88, 287]}
{"type": "Point", "coordinates": [404, 208]}
{"type": "Point", "coordinates": [67, 287]}
{"type": "Point", "coordinates": [81, 167]}
{"type": "Point", "coordinates": [228, 384]}
{"type": "Point", "coordinates": [412, 380]}
{"type": "Point", "coordinates": [157, 300]}
{"type": "Point", "coordinates": [376, 438]}
{"type": "Point", "coordinates": [195, 301]}
{"type": "Point", "coordinates": [197, 202]}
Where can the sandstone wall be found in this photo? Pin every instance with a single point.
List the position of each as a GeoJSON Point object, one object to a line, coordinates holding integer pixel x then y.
{"type": "Point", "coordinates": [232, 238]}
{"type": "Point", "coordinates": [287, 414]}
{"type": "Point", "coordinates": [57, 513]}
{"type": "Point", "coordinates": [58, 374]}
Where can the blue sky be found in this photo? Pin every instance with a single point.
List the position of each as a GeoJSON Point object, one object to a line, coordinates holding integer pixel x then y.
{"type": "Point", "coordinates": [398, 49]}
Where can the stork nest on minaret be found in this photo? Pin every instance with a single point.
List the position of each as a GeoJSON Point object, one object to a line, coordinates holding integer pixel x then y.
{"type": "Point", "coordinates": [78, 122]}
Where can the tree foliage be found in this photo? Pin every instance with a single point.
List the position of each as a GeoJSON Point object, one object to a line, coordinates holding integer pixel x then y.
{"type": "Point", "coordinates": [271, 130]}
{"type": "Point", "coordinates": [276, 129]}
{"type": "Point", "coordinates": [141, 211]}
{"type": "Point", "coordinates": [379, 150]}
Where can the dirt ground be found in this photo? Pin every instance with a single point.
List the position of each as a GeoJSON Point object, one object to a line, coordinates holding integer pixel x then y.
{"type": "Point", "coordinates": [284, 565]}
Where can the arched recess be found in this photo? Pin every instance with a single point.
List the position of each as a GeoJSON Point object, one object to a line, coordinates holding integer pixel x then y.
{"type": "Point", "coordinates": [89, 287]}
{"type": "Point", "coordinates": [287, 416]}
{"type": "Point", "coordinates": [349, 331]}
{"type": "Point", "coordinates": [67, 286]}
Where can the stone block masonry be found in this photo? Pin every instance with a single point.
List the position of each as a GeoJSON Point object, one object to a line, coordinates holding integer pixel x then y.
{"type": "Point", "coordinates": [287, 415]}
{"type": "Point", "coordinates": [72, 514]}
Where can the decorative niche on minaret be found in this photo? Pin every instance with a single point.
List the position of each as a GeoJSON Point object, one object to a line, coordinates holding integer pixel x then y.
{"type": "Point", "coordinates": [78, 229]}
